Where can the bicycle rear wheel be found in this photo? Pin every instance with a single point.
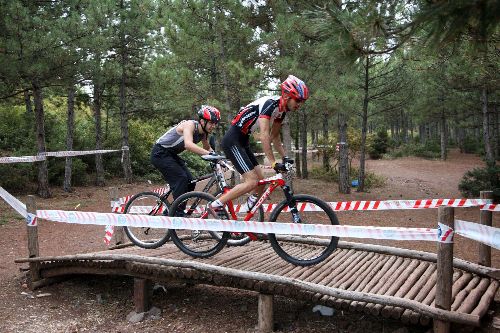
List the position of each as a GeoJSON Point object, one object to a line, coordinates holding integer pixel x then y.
{"type": "Point", "coordinates": [147, 203]}
{"type": "Point", "coordinates": [196, 243]}
{"type": "Point", "coordinates": [304, 250]}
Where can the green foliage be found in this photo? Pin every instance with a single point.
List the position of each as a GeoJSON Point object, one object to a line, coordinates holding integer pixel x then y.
{"type": "Point", "coordinates": [480, 179]}
{"type": "Point", "coordinates": [472, 146]}
{"type": "Point", "coordinates": [20, 175]}
{"type": "Point", "coordinates": [371, 180]}
{"type": "Point", "coordinates": [79, 174]}
{"type": "Point", "coordinates": [379, 145]}
{"type": "Point", "coordinates": [430, 150]}
{"type": "Point", "coordinates": [195, 164]}
{"type": "Point", "coordinates": [16, 131]}
{"type": "Point", "coordinates": [331, 175]}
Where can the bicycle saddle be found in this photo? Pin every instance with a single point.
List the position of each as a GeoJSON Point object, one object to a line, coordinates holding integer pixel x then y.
{"type": "Point", "coordinates": [213, 158]}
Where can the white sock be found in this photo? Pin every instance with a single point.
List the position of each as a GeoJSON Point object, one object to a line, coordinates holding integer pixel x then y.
{"type": "Point", "coordinates": [216, 203]}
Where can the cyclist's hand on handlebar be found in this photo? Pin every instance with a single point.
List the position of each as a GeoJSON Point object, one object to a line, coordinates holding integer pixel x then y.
{"type": "Point", "coordinates": [288, 160]}
{"type": "Point", "coordinates": [279, 167]}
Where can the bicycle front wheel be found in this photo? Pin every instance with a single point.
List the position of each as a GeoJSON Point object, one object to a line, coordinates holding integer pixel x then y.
{"type": "Point", "coordinates": [196, 243]}
{"type": "Point", "coordinates": [147, 203]}
{"type": "Point", "coordinates": [304, 250]}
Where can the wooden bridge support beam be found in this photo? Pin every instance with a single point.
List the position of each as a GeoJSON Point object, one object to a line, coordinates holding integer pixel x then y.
{"type": "Point", "coordinates": [265, 310]}
{"type": "Point", "coordinates": [142, 295]}
{"type": "Point", "coordinates": [444, 265]}
{"type": "Point", "coordinates": [486, 218]}
{"type": "Point", "coordinates": [33, 249]}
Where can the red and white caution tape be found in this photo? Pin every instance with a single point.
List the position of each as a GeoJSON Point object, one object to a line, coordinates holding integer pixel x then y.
{"type": "Point", "coordinates": [69, 153]}
{"type": "Point", "coordinates": [364, 205]}
{"type": "Point", "coordinates": [109, 231]}
{"type": "Point", "coordinates": [491, 207]}
{"type": "Point", "coordinates": [406, 204]}
{"type": "Point", "coordinates": [165, 222]}
{"type": "Point", "coordinates": [118, 205]}
{"type": "Point", "coordinates": [22, 159]}
{"type": "Point", "coordinates": [481, 233]}
{"type": "Point", "coordinates": [31, 220]}
{"type": "Point", "coordinates": [42, 156]}
{"type": "Point", "coordinates": [445, 233]}
{"type": "Point", "coordinates": [13, 202]}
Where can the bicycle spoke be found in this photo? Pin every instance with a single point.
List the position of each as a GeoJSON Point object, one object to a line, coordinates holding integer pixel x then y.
{"type": "Point", "coordinates": [197, 243]}
{"type": "Point", "coordinates": [304, 250]}
{"type": "Point", "coordinates": [146, 203]}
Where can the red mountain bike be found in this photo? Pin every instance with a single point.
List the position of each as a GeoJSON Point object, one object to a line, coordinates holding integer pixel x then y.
{"type": "Point", "coordinates": [154, 204]}
{"type": "Point", "coordinates": [298, 250]}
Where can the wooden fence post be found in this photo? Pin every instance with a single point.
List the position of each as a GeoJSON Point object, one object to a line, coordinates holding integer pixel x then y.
{"type": "Point", "coordinates": [444, 279]}
{"type": "Point", "coordinates": [142, 297]}
{"type": "Point", "coordinates": [33, 250]}
{"type": "Point", "coordinates": [485, 218]}
{"type": "Point", "coordinates": [118, 233]}
{"type": "Point", "coordinates": [265, 310]}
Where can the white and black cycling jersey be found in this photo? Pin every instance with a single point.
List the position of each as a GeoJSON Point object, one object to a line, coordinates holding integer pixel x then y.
{"type": "Point", "coordinates": [264, 107]}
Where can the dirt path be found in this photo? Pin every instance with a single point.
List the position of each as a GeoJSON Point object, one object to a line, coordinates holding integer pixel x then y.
{"type": "Point", "coordinates": [101, 304]}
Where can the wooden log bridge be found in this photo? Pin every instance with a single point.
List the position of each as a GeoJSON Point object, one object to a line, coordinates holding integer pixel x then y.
{"type": "Point", "coordinates": [378, 280]}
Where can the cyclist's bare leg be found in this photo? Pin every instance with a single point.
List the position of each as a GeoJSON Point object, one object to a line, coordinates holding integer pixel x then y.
{"type": "Point", "coordinates": [250, 180]}
{"type": "Point", "coordinates": [259, 189]}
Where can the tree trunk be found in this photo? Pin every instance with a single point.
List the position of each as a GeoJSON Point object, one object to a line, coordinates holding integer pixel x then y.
{"type": "Point", "coordinates": [496, 131]}
{"type": "Point", "coordinates": [99, 166]}
{"type": "Point", "coordinates": [444, 137]}
{"type": "Point", "coordinates": [287, 137]}
{"type": "Point", "coordinates": [70, 129]}
{"type": "Point", "coordinates": [303, 137]}
{"type": "Point", "coordinates": [43, 172]}
{"type": "Point", "coordinates": [326, 158]}
{"type": "Point", "coordinates": [297, 154]}
{"type": "Point", "coordinates": [225, 76]}
{"type": "Point", "coordinates": [364, 120]}
{"type": "Point", "coordinates": [126, 163]}
{"type": "Point", "coordinates": [344, 186]}
{"type": "Point", "coordinates": [27, 102]}
{"type": "Point", "coordinates": [488, 151]}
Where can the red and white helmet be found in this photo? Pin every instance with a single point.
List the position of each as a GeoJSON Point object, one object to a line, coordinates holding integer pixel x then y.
{"type": "Point", "coordinates": [295, 88]}
{"type": "Point", "coordinates": [209, 113]}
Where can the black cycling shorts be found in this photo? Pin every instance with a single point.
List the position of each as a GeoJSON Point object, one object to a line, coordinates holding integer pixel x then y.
{"type": "Point", "coordinates": [236, 146]}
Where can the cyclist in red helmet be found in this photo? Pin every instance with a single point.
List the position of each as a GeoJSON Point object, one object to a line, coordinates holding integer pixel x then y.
{"type": "Point", "coordinates": [183, 136]}
{"type": "Point", "coordinates": [268, 114]}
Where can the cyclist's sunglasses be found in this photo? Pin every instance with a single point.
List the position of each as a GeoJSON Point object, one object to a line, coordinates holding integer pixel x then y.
{"type": "Point", "coordinates": [299, 100]}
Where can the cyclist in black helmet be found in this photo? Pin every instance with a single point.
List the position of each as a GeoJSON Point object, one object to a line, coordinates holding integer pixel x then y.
{"type": "Point", "coordinates": [183, 136]}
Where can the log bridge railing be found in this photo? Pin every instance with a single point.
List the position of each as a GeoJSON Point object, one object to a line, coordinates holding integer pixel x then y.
{"type": "Point", "coordinates": [415, 287]}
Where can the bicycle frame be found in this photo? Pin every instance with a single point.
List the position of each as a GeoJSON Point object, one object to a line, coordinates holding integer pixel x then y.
{"type": "Point", "coordinates": [274, 182]}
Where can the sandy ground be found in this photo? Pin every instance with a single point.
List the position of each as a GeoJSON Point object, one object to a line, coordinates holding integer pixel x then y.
{"type": "Point", "coordinates": [98, 304]}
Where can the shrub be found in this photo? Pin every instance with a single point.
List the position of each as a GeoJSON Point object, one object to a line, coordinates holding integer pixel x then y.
{"type": "Point", "coordinates": [79, 174]}
{"type": "Point", "coordinates": [480, 179]}
{"type": "Point", "coordinates": [16, 177]}
{"type": "Point", "coordinates": [431, 150]}
{"type": "Point", "coordinates": [379, 145]}
{"type": "Point", "coordinates": [327, 175]}
{"type": "Point", "coordinates": [371, 180]}
{"type": "Point", "coordinates": [472, 146]}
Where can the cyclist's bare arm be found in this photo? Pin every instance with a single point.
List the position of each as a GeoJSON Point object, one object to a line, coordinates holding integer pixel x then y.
{"type": "Point", "coordinates": [187, 129]}
{"type": "Point", "coordinates": [270, 134]}
{"type": "Point", "coordinates": [276, 139]}
{"type": "Point", "coordinates": [206, 145]}
{"type": "Point", "coordinates": [265, 138]}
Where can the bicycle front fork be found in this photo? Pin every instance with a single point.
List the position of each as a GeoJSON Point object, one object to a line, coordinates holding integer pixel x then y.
{"type": "Point", "coordinates": [291, 204]}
